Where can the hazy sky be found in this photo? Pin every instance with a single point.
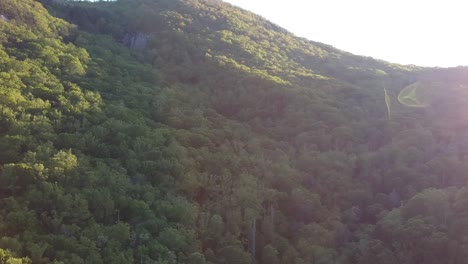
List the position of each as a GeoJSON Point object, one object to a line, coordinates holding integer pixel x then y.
{"type": "Point", "coordinates": [425, 33]}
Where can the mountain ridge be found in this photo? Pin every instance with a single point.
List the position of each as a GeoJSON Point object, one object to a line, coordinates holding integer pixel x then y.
{"type": "Point", "coordinates": [218, 138]}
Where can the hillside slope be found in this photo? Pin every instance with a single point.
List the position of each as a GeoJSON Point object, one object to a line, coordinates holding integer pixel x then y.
{"type": "Point", "coordinates": [196, 132]}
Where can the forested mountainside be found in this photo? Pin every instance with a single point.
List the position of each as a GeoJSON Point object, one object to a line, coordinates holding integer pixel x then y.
{"type": "Point", "coordinates": [191, 131]}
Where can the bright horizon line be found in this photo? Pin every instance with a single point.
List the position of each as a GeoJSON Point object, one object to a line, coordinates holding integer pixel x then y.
{"type": "Point", "coordinates": [423, 33]}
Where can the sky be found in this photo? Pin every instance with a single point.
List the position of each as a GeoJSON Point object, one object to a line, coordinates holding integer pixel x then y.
{"type": "Point", "coordinates": [424, 33]}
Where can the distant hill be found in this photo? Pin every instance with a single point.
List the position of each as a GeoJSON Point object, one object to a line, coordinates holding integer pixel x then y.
{"type": "Point", "coordinates": [170, 131]}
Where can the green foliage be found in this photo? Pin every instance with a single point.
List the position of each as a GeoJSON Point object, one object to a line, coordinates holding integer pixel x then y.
{"type": "Point", "coordinates": [7, 258]}
{"type": "Point", "coordinates": [195, 132]}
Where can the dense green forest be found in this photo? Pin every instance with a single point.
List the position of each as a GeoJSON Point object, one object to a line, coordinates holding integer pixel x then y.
{"type": "Point", "coordinates": [192, 131]}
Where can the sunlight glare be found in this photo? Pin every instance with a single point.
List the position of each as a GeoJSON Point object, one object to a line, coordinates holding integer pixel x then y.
{"type": "Point", "coordinates": [425, 33]}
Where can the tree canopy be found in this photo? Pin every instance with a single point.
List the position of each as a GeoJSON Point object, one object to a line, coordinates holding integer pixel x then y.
{"type": "Point", "coordinates": [171, 131]}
